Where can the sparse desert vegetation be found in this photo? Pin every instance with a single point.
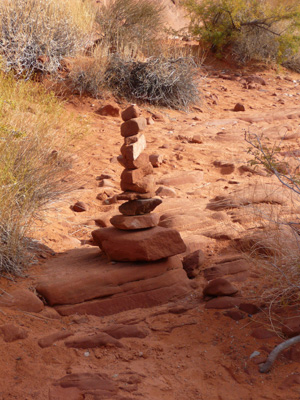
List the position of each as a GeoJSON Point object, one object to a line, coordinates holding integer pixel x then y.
{"type": "Point", "coordinates": [162, 262]}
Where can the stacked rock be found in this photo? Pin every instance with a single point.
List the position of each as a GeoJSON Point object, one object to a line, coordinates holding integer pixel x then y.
{"type": "Point", "coordinates": [135, 235]}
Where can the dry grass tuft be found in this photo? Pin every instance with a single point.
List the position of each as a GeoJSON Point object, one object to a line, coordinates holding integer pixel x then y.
{"type": "Point", "coordinates": [167, 82]}
{"type": "Point", "coordinates": [32, 164]}
{"type": "Point", "coordinates": [35, 35]}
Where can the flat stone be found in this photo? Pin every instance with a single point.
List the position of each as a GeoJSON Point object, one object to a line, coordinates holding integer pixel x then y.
{"type": "Point", "coordinates": [130, 195]}
{"type": "Point", "coordinates": [134, 175]}
{"type": "Point", "coordinates": [132, 151]}
{"type": "Point", "coordinates": [85, 282]}
{"type": "Point", "coordinates": [262, 333]}
{"type": "Point", "coordinates": [22, 299]}
{"type": "Point", "coordinates": [144, 185]}
{"type": "Point", "coordinates": [165, 191]}
{"type": "Point", "coordinates": [139, 207]}
{"type": "Point", "coordinates": [133, 126]}
{"type": "Point", "coordinates": [182, 178]}
{"type": "Point", "coordinates": [90, 341]}
{"type": "Point", "coordinates": [11, 333]}
{"type": "Point", "coordinates": [119, 331]}
{"type": "Point", "coordinates": [140, 162]}
{"type": "Point", "coordinates": [136, 222]}
{"type": "Point", "coordinates": [219, 287]}
{"type": "Point", "coordinates": [221, 303]}
{"type": "Point", "coordinates": [89, 381]}
{"type": "Point", "coordinates": [48, 340]}
{"type": "Point", "coordinates": [148, 245]}
{"type": "Point", "coordinates": [130, 112]}
{"type": "Point", "coordinates": [226, 268]}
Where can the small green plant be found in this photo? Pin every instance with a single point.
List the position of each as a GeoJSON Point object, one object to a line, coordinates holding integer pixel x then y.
{"type": "Point", "coordinates": [256, 29]}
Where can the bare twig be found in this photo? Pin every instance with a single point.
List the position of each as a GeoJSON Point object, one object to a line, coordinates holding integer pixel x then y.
{"type": "Point", "coordinates": [263, 368]}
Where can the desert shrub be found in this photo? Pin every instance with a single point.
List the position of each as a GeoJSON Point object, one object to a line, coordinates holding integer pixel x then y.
{"type": "Point", "coordinates": [130, 23]}
{"type": "Point", "coordinates": [256, 29]}
{"type": "Point", "coordinates": [282, 262]}
{"type": "Point", "coordinates": [32, 163]}
{"type": "Point", "coordinates": [36, 34]}
{"type": "Point", "coordinates": [293, 62]}
{"type": "Point", "coordinates": [168, 82]}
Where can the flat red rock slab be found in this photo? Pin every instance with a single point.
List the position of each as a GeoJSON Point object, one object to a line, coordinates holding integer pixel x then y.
{"type": "Point", "coordinates": [147, 245]}
{"type": "Point", "coordinates": [85, 282]}
{"type": "Point", "coordinates": [223, 303]}
{"type": "Point", "coordinates": [135, 222]}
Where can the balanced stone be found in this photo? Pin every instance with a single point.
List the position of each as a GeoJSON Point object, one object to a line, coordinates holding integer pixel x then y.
{"type": "Point", "coordinates": [135, 175]}
{"type": "Point", "coordinates": [140, 162]}
{"type": "Point", "coordinates": [143, 245]}
{"type": "Point", "coordinates": [144, 185]}
{"type": "Point", "coordinates": [129, 195]}
{"type": "Point", "coordinates": [139, 207]}
{"type": "Point", "coordinates": [132, 151]}
{"type": "Point", "coordinates": [135, 222]}
{"type": "Point", "coordinates": [133, 126]}
{"type": "Point", "coordinates": [131, 112]}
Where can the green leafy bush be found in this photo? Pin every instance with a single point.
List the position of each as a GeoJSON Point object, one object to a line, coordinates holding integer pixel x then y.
{"type": "Point", "coordinates": [256, 29]}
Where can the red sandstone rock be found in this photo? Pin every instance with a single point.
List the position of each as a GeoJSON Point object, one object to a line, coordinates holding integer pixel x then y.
{"type": "Point", "coordinates": [133, 126]}
{"type": "Point", "coordinates": [223, 303]}
{"type": "Point", "coordinates": [135, 222]}
{"type": "Point", "coordinates": [91, 341]}
{"type": "Point", "coordinates": [226, 268]}
{"type": "Point", "coordinates": [48, 341]}
{"type": "Point", "coordinates": [88, 381]}
{"type": "Point", "coordinates": [262, 333]}
{"type": "Point", "coordinates": [239, 107]}
{"type": "Point", "coordinates": [132, 151]}
{"type": "Point", "coordinates": [134, 175]}
{"type": "Point", "coordinates": [140, 162]}
{"type": "Point", "coordinates": [115, 284]}
{"type": "Point", "coordinates": [80, 206]}
{"type": "Point", "coordinates": [143, 185]}
{"type": "Point", "coordinates": [182, 179]}
{"type": "Point", "coordinates": [235, 315]}
{"type": "Point", "coordinates": [291, 327]}
{"type": "Point", "coordinates": [139, 207]}
{"type": "Point", "coordinates": [249, 308]}
{"type": "Point", "coordinates": [12, 333]}
{"type": "Point", "coordinates": [125, 331]}
{"type": "Point", "coordinates": [109, 110]}
{"type": "Point", "coordinates": [165, 191]}
{"type": "Point", "coordinates": [192, 262]}
{"type": "Point", "coordinates": [149, 245]}
{"type": "Point", "coordinates": [22, 299]}
{"type": "Point", "coordinates": [130, 196]}
{"type": "Point", "coordinates": [156, 160]}
{"type": "Point", "coordinates": [131, 112]}
{"type": "Point", "coordinates": [219, 287]}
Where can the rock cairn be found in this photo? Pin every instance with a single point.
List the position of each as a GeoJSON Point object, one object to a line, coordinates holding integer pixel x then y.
{"type": "Point", "coordinates": [135, 235]}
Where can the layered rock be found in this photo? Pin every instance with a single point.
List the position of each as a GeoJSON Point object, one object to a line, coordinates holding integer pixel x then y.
{"type": "Point", "coordinates": [135, 235]}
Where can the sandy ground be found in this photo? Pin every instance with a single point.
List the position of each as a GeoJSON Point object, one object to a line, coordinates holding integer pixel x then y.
{"type": "Point", "coordinates": [194, 353]}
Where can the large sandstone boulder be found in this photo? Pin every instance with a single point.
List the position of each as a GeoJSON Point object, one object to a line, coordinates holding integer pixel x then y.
{"type": "Point", "coordinates": [86, 283]}
{"type": "Point", "coordinates": [146, 245]}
